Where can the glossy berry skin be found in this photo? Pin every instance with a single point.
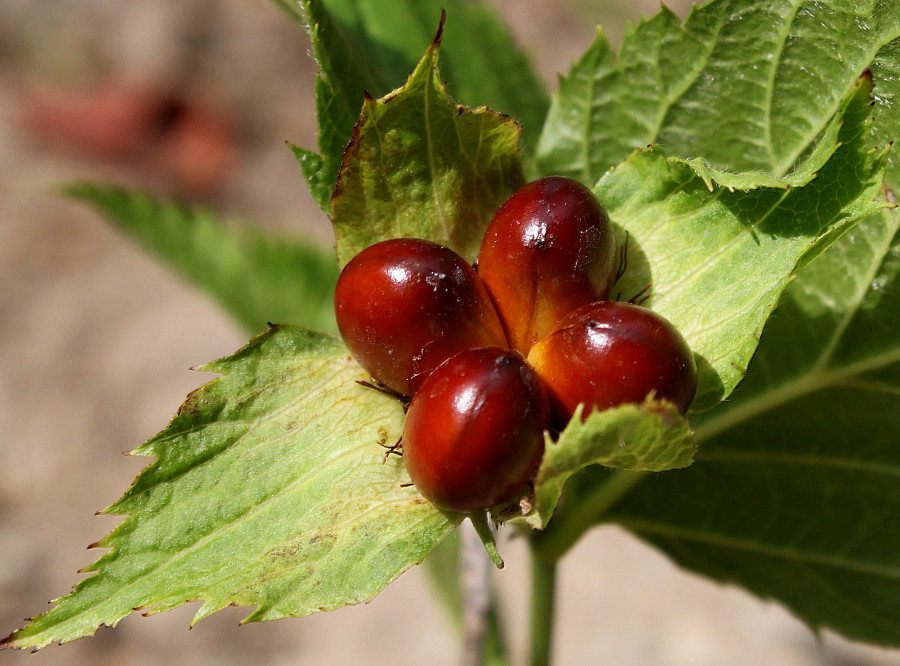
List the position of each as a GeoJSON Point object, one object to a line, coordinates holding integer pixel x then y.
{"type": "Point", "coordinates": [549, 249]}
{"type": "Point", "coordinates": [610, 353]}
{"type": "Point", "coordinates": [404, 306]}
{"type": "Point", "coordinates": [473, 436]}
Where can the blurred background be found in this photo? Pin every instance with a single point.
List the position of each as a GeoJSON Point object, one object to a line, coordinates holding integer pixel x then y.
{"type": "Point", "coordinates": [195, 99]}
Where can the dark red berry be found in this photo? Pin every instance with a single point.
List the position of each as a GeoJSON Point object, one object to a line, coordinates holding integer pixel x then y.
{"type": "Point", "coordinates": [549, 249]}
{"type": "Point", "coordinates": [473, 437]}
{"type": "Point", "coordinates": [610, 353]}
{"type": "Point", "coordinates": [404, 306]}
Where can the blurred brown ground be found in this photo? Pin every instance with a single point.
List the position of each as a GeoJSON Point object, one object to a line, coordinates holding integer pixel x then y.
{"type": "Point", "coordinates": [96, 339]}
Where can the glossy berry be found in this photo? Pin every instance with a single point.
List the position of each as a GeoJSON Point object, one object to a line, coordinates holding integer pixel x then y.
{"type": "Point", "coordinates": [549, 249]}
{"type": "Point", "coordinates": [473, 437]}
{"type": "Point", "coordinates": [404, 306]}
{"type": "Point", "coordinates": [610, 353]}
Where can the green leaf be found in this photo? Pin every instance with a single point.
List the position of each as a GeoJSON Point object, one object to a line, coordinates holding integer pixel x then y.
{"type": "Point", "coordinates": [341, 84]}
{"type": "Point", "coordinates": [651, 437]}
{"type": "Point", "coordinates": [886, 72]}
{"type": "Point", "coordinates": [748, 86]}
{"type": "Point", "coordinates": [391, 36]}
{"type": "Point", "coordinates": [795, 491]}
{"type": "Point", "coordinates": [216, 518]}
{"type": "Point", "coordinates": [269, 489]}
{"type": "Point", "coordinates": [419, 165]}
{"type": "Point", "coordinates": [719, 258]}
{"type": "Point", "coordinates": [257, 278]}
{"type": "Point", "coordinates": [781, 498]}
{"type": "Point", "coordinates": [317, 174]}
{"type": "Point", "coordinates": [370, 46]}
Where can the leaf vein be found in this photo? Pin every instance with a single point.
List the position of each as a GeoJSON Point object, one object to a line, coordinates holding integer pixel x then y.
{"type": "Point", "coordinates": [826, 117]}
{"type": "Point", "coordinates": [769, 90]}
{"type": "Point", "coordinates": [862, 288]}
{"type": "Point", "coordinates": [790, 391]}
{"type": "Point", "coordinates": [726, 455]}
{"type": "Point", "coordinates": [726, 541]}
{"type": "Point", "coordinates": [689, 81]}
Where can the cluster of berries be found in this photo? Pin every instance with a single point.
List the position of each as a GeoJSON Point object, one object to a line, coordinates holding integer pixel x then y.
{"type": "Point", "coordinates": [490, 358]}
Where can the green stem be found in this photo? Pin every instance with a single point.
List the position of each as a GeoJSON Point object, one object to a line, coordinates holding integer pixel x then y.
{"type": "Point", "coordinates": [479, 521]}
{"type": "Point", "coordinates": [568, 526]}
{"type": "Point", "coordinates": [482, 633]}
{"type": "Point", "coordinates": [494, 646]}
{"type": "Point", "coordinates": [543, 591]}
{"type": "Point", "coordinates": [446, 571]}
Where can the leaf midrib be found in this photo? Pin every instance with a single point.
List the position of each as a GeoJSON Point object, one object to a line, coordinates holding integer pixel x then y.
{"type": "Point", "coordinates": [816, 130]}
{"type": "Point", "coordinates": [204, 540]}
{"type": "Point", "coordinates": [780, 458]}
{"type": "Point", "coordinates": [689, 80]}
{"type": "Point", "coordinates": [209, 536]}
{"type": "Point", "coordinates": [779, 170]}
{"type": "Point", "coordinates": [790, 391]}
{"type": "Point", "coordinates": [805, 561]}
{"type": "Point", "coordinates": [250, 427]}
{"type": "Point", "coordinates": [429, 142]}
{"type": "Point", "coordinates": [769, 96]}
{"type": "Point", "coordinates": [652, 527]}
{"type": "Point", "coordinates": [819, 377]}
{"type": "Point", "coordinates": [862, 288]}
